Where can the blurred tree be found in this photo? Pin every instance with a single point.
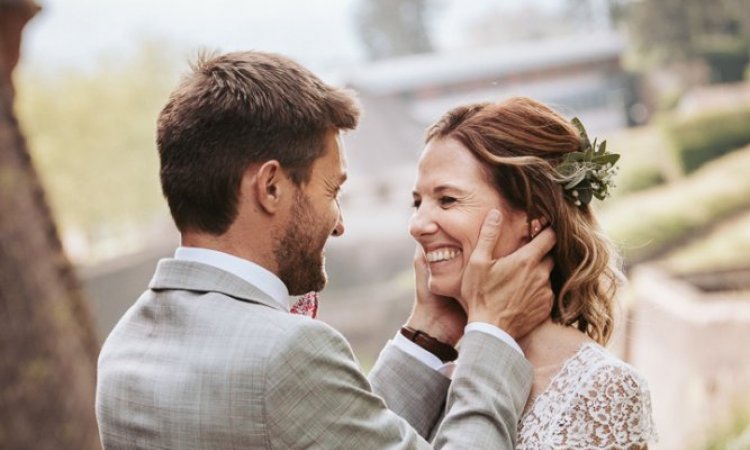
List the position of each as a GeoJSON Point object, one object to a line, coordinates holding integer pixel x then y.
{"type": "Point", "coordinates": [584, 13]}
{"type": "Point", "coordinates": [48, 348]}
{"type": "Point", "coordinates": [391, 28]}
{"type": "Point", "coordinates": [91, 134]}
{"type": "Point", "coordinates": [717, 32]}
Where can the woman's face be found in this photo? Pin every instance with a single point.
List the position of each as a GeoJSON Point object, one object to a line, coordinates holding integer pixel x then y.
{"type": "Point", "coordinates": [452, 196]}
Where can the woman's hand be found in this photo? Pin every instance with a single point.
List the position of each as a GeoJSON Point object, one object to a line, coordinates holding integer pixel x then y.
{"type": "Point", "coordinates": [440, 317]}
{"type": "Point", "coordinates": [513, 292]}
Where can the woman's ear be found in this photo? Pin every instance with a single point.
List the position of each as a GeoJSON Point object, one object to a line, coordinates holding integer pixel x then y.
{"type": "Point", "coordinates": [537, 225]}
{"type": "Point", "coordinates": [270, 186]}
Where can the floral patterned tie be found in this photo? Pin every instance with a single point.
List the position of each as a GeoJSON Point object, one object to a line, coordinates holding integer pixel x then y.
{"type": "Point", "coordinates": [307, 305]}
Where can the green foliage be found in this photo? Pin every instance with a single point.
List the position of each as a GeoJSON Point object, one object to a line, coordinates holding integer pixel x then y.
{"type": "Point", "coordinates": [647, 223]}
{"type": "Point", "coordinates": [645, 177]}
{"type": "Point", "coordinates": [726, 57]}
{"type": "Point", "coordinates": [646, 160]}
{"type": "Point", "coordinates": [92, 138]}
{"type": "Point", "coordinates": [726, 246]}
{"type": "Point", "coordinates": [678, 30]}
{"type": "Point", "coordinates": [587, 173]}
{"type": "Point", "coordinates": [700, 139]}
{"type": "Point", "coordinates": [389, 28]}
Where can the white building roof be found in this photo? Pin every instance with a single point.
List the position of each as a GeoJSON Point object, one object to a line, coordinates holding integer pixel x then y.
{"type": "Point", "coordinates": [418, 71]}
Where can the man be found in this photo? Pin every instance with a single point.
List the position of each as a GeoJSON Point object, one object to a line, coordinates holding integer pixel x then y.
{"type": "Point", "coordinates": [209, 356]}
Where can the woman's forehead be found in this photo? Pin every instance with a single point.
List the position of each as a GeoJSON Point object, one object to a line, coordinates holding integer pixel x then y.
{"type": "Point", "coordinates": [447, 160]}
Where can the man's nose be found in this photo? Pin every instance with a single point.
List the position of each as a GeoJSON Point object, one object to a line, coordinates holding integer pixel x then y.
{"type": "Point", "coordinates": [338, 230]}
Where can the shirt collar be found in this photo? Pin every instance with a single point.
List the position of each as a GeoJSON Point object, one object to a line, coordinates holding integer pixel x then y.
{"type": "Point", "coordinates": [254, 274]}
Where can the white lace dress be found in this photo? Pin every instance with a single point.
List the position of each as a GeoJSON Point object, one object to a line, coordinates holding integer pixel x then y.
{"type": "Point", "coordinates": [595, 402]}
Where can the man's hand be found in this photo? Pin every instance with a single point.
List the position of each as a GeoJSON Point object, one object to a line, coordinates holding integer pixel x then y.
{"type": "Point", "coordinates": [512, 292]}
{"type": "Point", "coordinates": [440, 317]}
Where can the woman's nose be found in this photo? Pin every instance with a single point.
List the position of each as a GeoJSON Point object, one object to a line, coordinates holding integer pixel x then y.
{"type": "Point", "coordinates": [422, 222]}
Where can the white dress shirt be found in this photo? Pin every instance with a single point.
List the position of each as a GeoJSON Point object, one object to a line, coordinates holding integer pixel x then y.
{"type": "Point", "coordinates": [263, 279]}
{"type": "Point", "coordinates": [272, 285]}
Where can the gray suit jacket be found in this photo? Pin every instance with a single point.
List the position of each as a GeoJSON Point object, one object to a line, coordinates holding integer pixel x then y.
{"type": "Point", "coordinates": [204, 360]}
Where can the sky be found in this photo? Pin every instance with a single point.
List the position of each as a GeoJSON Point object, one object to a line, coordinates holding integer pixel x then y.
{"type": "Point", "coordinates": [320, 33]}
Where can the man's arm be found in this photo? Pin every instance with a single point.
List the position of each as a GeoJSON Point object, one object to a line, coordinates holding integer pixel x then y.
{"type": "Point", "coordinates": [410, 388]}
{"type": "Point", "coordinates": [316, 397]}
{"type": "Point", "coordinates": [489, 390]}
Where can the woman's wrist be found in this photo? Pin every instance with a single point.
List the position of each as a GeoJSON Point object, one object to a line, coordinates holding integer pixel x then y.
{"type": "Point", "coordinates": [436, 328]}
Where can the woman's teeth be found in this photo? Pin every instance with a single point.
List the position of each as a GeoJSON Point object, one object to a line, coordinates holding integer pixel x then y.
{"type": "Point", "coordinates": [442, 255]}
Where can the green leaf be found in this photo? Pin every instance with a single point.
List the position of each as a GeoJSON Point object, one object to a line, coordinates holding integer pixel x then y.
{"type": "Point", "coordinates": [575, 157]}
{"type": "Point", "coordinates": [584, 195]}
{"type": "Point", "coordinates": [585, 143]}
{"type": "Point", "coordinates": [576, 180]}
{"type": "Point", "coordinates": [567, 169]}
{"type": "Point", "coordinates": [602, 148]}
{"type": "Point", "coordinates": [601, 194]}
{"type": "Point", "coordinates": [610, 158]}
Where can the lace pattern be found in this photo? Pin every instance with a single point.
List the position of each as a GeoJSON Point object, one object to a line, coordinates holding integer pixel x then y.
{"type": "Point", "coordinates": [595, 402]}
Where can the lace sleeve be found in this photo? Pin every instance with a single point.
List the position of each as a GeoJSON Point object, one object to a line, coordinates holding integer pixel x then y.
{"type": "Point", "coordinates": [611, 411]}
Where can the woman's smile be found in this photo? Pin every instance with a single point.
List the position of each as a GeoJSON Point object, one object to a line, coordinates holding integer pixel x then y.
{"type": "Point", "coordinates": [452, 196]}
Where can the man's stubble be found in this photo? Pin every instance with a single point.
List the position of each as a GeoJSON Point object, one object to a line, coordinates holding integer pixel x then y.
{"type": "Point", "coordinates": [298, 251]}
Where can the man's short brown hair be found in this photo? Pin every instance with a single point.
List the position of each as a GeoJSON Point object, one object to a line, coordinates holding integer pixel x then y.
{"type": "Point", "coordinates": [234, 110]}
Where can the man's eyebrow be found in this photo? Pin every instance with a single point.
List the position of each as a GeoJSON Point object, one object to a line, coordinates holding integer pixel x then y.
{"type": "Point", "coordinates": [336, 182]}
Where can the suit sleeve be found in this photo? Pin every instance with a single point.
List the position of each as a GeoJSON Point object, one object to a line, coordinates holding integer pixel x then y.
{"type": "Point", "coordinates": [489, 390]}
{"type": "Point", "coordinates": [317, 397]}
{"type": "Point", "coordinates": [411, 389]}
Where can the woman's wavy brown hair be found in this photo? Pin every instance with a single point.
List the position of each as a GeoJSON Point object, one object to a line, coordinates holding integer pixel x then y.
{"type": "Point", "coordinates": [520, 141]}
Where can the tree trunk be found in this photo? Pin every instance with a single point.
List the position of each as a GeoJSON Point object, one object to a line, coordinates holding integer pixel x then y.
{"type": "Point", "coordinates": [48, 348]}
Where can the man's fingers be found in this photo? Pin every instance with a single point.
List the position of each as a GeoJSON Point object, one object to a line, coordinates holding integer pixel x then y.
{"type": "Point", "coordinates": [547, 264]}
{"type": "Point", "coordinates": [488, 235]}
{"type": "Point", "coordinates": [419, 260]}
{"type": "Point", "coordinates": [539, 246]}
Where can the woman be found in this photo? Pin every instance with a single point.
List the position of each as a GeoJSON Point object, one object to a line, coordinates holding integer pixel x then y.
{"type": "Point", "coordinates": [525, 160]}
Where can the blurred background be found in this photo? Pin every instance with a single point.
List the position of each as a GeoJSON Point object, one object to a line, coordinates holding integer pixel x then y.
{"type": "Point", "coordinates": [666, 82]}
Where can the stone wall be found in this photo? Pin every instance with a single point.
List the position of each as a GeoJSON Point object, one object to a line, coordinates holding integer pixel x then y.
{"type": "Point", "coordinates": [694, 349]}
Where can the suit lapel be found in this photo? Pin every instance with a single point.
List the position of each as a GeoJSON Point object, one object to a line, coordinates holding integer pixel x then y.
{"type": "Point", "coordinates": [199, 277]}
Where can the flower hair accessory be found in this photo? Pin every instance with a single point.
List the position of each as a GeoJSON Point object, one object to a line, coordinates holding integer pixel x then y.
{"type": "Point", "coordinates": [588, 172]}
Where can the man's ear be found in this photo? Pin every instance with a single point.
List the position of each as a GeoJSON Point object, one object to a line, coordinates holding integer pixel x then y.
{"type": "Point", "coordinates": [271, 184]}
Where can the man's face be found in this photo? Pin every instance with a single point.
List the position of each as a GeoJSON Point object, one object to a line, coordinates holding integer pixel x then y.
{"type": "Point", "coordinates": [315, 215]}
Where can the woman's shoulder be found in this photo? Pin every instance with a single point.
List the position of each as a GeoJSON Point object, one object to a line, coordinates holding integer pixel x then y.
{"type": "Point", "coordinates": [605, 370]}
{"type": "Point", "coordinates": [613, 395]}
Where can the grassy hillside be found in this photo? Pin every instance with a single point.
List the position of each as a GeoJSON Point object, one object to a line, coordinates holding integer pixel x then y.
{"type": "Point", "coordinates": [649, 223]}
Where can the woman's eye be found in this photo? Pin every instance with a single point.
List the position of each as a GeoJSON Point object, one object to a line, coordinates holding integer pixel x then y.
{"type": "Point", "coordinates": [445, 201]}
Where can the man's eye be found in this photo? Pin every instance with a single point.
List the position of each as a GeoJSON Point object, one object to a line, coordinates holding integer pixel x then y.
{"type": "Point", "coordinates": [415, 203]}
{"type": "Point", "coordinates": [445, 201]}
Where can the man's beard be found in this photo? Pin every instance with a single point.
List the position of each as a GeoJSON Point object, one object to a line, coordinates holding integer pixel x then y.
{"type": "Point", "coordinates": [299, 251]}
